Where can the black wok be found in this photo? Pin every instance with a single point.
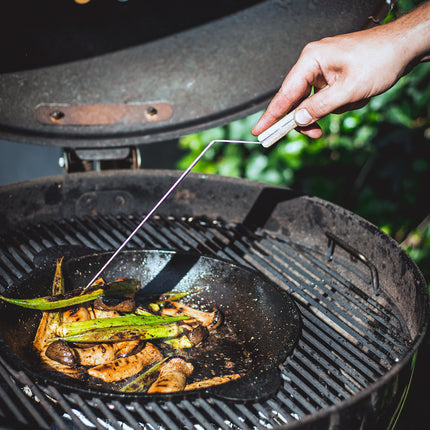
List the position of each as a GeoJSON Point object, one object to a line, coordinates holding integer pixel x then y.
{"type": "Point", "coordinates": [262, 322]}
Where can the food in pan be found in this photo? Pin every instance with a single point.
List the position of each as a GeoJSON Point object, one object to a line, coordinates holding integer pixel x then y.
{"type": "Point", "coordinates": [104, 333]}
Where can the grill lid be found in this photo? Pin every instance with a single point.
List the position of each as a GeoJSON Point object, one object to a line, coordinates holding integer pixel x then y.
{"type": "Point", "coordinates": [166, 72]}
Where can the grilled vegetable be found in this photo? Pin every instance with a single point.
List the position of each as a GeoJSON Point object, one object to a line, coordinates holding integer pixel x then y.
{"type": "Point", "coordinates": [211, 320]}
{"type": "Point", "coordinates": [127, 348]}
{"type": "Point", "coordinates": [58, 284]}
{"type": "Point", "coordinates": [181, 342]}
{"type": "Point", "coordinates": [61, 352]}
{"type": "Point", "coordinates": [58, 288]}
{"type": "Point", "coordinates": [40, 346]}
{"type": "Point", "coordinates": [75, 297]}
{"type": "Point", "coordinates": [156, 305]}
{"type": "Point", "coordinates": [198, 334]}
{"type": "Point", "coordinates": [99, 313]}
{"type": "Point", "coordinates": [217, 380]}
{"type": "Point", "coordinates": [118, 304]}
{"type": "Point", "coordinates": [72, 328]}
{"type": "Point", "coordinates": [45, 331]}
{"type": "Point", "coordinates": [87, 355]}
{"type": "Point", "coordinates": [173, 376]}
{"type": "Point", "coordinates": [176, 295]}
{"type": "Point", "coordinates": [76, 314]}
{"type": "Point", "coordinates": [94, 355]}
{"type": "Point", "coordinates": [125, 332]}
{"type": "Point", "coordinates": [144, 380]}
{"type": "Point", "coordinates": [192, 337]}
{"type": "Point", "coordinates": [142, 312]}
{"type": "Point", "coordinates": [123, 368]}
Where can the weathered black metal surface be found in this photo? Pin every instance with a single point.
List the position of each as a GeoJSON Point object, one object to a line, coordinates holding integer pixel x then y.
{"type": "Point", "coordinates": [210, 64]}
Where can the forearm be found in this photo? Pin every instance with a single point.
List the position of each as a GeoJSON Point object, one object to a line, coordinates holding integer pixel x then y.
{"type": "Point", "coordinates": [412, 32]}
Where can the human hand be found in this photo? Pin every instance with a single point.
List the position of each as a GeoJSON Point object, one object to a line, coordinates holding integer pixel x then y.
{"type": "Point", "coordinates": [346, 71]}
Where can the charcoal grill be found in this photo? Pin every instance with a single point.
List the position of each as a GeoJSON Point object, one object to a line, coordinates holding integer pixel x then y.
{"type": "Point", "coordinates": [363, 302]}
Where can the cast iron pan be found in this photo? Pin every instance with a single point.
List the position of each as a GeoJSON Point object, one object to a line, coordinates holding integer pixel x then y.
{"type": "Point", "coordinates": [262, 323]}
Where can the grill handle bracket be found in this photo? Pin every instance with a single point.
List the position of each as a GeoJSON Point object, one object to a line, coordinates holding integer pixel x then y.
{"type": "Point", "coordinates": [334, 240]}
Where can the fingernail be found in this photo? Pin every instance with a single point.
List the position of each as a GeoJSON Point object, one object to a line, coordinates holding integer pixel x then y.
{"type": "Point", "coordinates": [302, 117]}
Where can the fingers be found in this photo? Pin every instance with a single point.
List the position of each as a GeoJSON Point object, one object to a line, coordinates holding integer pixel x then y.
{"type": "Point", "coordinates": [307, 113]}
{"type": "Point", "coordinates": [352, 106]}
{"type": "Point", "coordinates": [296, 86]}
{"type": "Point", "coordinates": [313, 131]}
{"type": "Point", "coordinates": [280, 105]}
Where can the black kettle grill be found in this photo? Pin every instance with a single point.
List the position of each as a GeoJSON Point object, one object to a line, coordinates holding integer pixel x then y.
{"type": "Point", "coordinates": [101, 79]}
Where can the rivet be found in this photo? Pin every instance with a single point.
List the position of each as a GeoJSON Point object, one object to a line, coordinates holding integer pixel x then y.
{"type": "Point", "coordinates": [57, 115]}
{"type": "Point", "coordinates": [119, 200]}
{"type": "Point", "coordinates": [151, 111]}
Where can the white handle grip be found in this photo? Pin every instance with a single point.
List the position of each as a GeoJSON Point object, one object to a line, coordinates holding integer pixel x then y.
{"type": "Point", "coordinates": [278, 130]}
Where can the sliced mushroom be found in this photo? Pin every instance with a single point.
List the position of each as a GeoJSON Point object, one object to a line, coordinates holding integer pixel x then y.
{"type": "Point", "coordinates": [125, 367]}
{"type": "Point", "coordinates": [211, 320]}
{"type": "Point", "coordinates": [217, 380]}
{"type": "Point", "coordinates": [40, 346]}
{"type": "Point", "coordinates": [173, 376]}
{"type": "Point", "coordinates": [119, 304]}
{"type": "Point", "coordinates": [127, 348]}
{"type": "Point", "coordinates": [95, 354]}
{"type": "Point", "coordinates": [101, 313]}
{"type": "Point", "coordinates": [198, 334]}
{"type": "Point", "coordinates": [62, 353]}
{"type": "Point", "coordinates": [79, 313]}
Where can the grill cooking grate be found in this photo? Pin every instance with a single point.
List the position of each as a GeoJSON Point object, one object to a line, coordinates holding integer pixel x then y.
{"type": "Point", "coordinates": [350, 338]}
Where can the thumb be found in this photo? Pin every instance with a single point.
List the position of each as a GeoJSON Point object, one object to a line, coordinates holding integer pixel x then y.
{"type": "Point", "coordinates": [318, 106]}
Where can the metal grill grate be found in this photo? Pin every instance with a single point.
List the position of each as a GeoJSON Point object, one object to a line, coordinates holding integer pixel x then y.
{"type": "Point", "coordinates": [350, 336]}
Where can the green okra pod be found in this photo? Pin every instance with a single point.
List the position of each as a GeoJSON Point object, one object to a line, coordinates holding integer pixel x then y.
{"type": "Point", "coordinates": [74, 297]}
{"type": "Point", "coordinates": [176, 295]}
{"type": "Point", "coordinates": [123, 333]}
{"type": "Point", "coordinates": [169, 296]}
{"type": "Point", "coordinates": [76, 327]}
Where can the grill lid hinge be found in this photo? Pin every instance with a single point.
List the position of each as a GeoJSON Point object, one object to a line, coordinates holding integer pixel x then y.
{"type": "Point", "coordinates": [98, 159]}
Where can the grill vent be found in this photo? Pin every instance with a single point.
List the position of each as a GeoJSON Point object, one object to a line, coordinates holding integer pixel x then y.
{"type": "Point", "coordinates": [351, 337]}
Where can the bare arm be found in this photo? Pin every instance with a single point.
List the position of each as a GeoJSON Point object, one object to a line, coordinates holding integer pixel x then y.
{"type": "Point", "coordinates": [347, 70]}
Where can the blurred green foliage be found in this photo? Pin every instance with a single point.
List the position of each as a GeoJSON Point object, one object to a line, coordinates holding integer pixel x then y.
{"type": "Point", "coordinates": [374, 161]}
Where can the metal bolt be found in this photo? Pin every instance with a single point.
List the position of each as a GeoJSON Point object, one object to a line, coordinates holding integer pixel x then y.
{"type": "Point", "coordinates": [89, 202]}
{"type": "Point", "coordinates": [151, 111]}
{"type": "Point", "coordinates": [119, 200]}
{"type": "Point", "coordinates": [57, 115]}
